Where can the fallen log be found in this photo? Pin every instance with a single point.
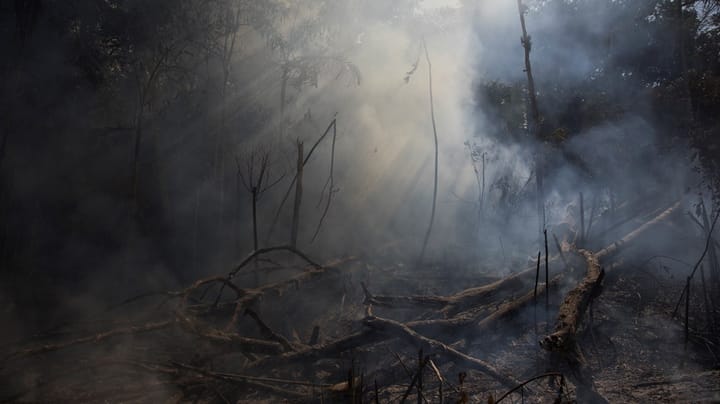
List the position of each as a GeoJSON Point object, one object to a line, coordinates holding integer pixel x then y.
{"type": "Point", "coordinates": [262, 383]}
{"type": "Point", "coordinates": [467, 320]}
{"type": "Point", "coordinates": [574, 305]}
{"type": "Point", "coordinates": [251, 296]}
{"type": "Point", "coordinates": [330, 349]}
{"type": "Point", "coordinates": [470, 320]}
{"type": "Point", "coordinates": [577, 300]}
{"type": "Point", "coordinates": [244, 298]}
{"type": "Point", "coordinates": [396, 329]}
{"type": "Point", "coordinates": [148, 327]}
{"type": "Point", "coordinates": [473, 322]}
{"type": "Point", "coordinates": [616, 246]}
{"type": "Point", "coordinates": [461, 301]}
{"type": "Point", "coordinates": [512, 307]}
{"type": "Point", "coordinates": [571, 311]}
{"type": "Point", "coordinates": [229, 340]}
{"type": "Point", "coordinates": [433, 302]}
{"type": "Point", "coordinates": [266, 250]}
{"type": "Point", "coordinates": [268, 333]}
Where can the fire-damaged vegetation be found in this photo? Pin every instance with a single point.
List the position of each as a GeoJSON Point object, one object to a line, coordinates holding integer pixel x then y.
{"type": "Point", "coordinates": [321, 201]}
{"type": "Point", "coordinates": [366, 329]}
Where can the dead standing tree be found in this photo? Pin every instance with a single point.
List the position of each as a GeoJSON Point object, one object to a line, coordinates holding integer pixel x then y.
{"type": "Point", "coordinates": [534, 121]}
{"type": "Point", "coordinates": [254, 175]}
{"type": "Point", "coordinates": [298, 195]}
{"type": "Point", "coordinates": [435, 138]}
{"type": "Point", "coordinates": [296, 183]}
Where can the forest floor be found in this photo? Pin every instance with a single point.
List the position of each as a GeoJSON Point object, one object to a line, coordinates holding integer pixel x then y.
{"type": "Point", "coordinates": [377, 329]}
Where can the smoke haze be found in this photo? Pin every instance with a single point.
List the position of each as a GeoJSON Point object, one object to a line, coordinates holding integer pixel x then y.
{"type": "Point", "coordinates": [70, 140]}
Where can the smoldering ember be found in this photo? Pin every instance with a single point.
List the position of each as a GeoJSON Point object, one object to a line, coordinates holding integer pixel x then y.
{"type": "Point", "coordinates": [345, 201]}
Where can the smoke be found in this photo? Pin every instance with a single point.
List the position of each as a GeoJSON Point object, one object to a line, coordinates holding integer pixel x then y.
{"type": "Point", "coordinates": [75, 243]}
{"type": "Point", "coordinates": [364, 65]}
{"type": "Point", "coordinates": [66, 175]}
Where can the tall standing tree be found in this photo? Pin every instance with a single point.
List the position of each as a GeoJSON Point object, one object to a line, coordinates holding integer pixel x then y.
{"type": "Point", "coordinates": [534, 121]}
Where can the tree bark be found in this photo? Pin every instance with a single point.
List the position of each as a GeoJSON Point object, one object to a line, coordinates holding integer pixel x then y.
{"type": "Point", "coordinates": [534, 121]}
{"type": "Point", "coordinates": [298, 196]}
{"type": "Point", "coordinates": [575, 303]}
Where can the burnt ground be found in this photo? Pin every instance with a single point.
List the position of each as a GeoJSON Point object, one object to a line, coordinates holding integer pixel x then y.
{"type": "Point", "coordinates": [635, 349]}
{"type": "Point", "coordinates": [201, 345]}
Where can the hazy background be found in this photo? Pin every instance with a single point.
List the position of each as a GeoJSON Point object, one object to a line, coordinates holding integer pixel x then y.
{"type": "Point", "coordinates": [203, 79]}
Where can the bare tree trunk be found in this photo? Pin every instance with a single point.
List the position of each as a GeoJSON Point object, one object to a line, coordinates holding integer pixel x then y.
{"type": "Point", "coordinates": [196, 230]}
{"type": "Point", "coordinates": [136, 165]}
{"type": "Point", "coordinates": [255, 233]}
{"type": "Point", "coordinates": [254, 219]}
{"type": "Point", "coordinates": [4, 217]}
{"type": "Point", "coordinates": [582, 219]}
{"type": "Point", "coordinates": [298, 195]}
{"type": "Point", "coordinates": [333, 126]}
{"type": "Point", "coordinates": [435, 176]}
{"type": "Point", "coordinates": [714, 271]}
{"type": "Point", "coordinates": [329, 184]}
{"type": "Point", "coordinates": [283, 91]}
{"type": "Point", "coordinates": [534, 121]}
{"type": "Point", "coordinates": [482, 189]}
{"type": "Point", "coordinates": [236, 216]}
{"type": "Point", "coordinates": [3, 147]}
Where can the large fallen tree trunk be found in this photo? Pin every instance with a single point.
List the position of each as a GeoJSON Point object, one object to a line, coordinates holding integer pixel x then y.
{"type": "Point", "coordinates": [454, 304]}
{"type": "Point", "coordinates": [616, 246]}
{"type": "Point", "coordinates": [569, 315]}
{"type": "Point", "coordinates": [577, 300]}
{"type": "Point", "coordinates": [574, 305]}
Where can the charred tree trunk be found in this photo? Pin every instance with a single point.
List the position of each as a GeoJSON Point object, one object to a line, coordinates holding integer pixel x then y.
{"type": "Point", "coordinates": [254, 218]}
{"type": "Point", "coordinates": [298, 195]}
{"type": "Point", "coordinates": [574, 305]}
{"type": "Point", "coordinates": [534, 121]}
{"type": "Point", "coordinates": [136, 167]}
